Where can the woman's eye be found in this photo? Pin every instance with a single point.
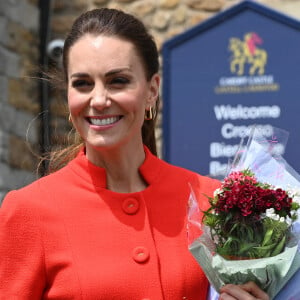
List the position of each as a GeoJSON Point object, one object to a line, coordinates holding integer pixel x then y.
{"type": "Point", "coordinates": [80, 83]}
{"type": "Point", "coordinates": [119, 81]}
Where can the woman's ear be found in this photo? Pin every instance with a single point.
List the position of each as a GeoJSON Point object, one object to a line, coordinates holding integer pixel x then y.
{"type": "Point", "coordinates": [154, 90]}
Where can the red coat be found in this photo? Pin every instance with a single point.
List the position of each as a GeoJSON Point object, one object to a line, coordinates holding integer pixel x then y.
{"type": "Point", "coordinates": [67, 237]}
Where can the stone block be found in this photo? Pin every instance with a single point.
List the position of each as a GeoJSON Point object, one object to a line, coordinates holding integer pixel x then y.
{"type": "Point", "coordinates": [3, 88]}
{"type": "Point", "coordinates": [3, 174]}
{"type": "Point", "coordinates": [22, 12]}
{"type": "Point", "coordinates": [197, 18]}
{"type": "Point", "coordinates": [2, 65]}
{"type": "Point", "coordinates": [59, 5]}
{"type": "Point", "coordinates": [3, 146]}
{"type": "Point", "coordinates": [29, 69]}
{"type": "Point", "coordinates": [288, 7]}
{"type": "Point", "coordinates": [27, 127]}
{"type": "Point", "coordinates": [161, 20]}
{"type": "Point", "coordinates": [9, 63]}
{"type": "Point", "coordinates": [168, 4]}
{"type": "Point", "coordinates": [213, 5]}
{"type": "Point", "coordinates": [19, 123]}
{"type": "Point", "coordinates": [22, 94]}
{"type": "Point", "coordinates": [7, 117]}
{"type": "Point", "coordinates": [142, 8]}
{"type": "Point", "coordinates": [3, 30]}
{"type": "Point", "coordinates": [22, 40]}
{"type": "Point", "coordinates": [179, 16]}
{"type": "Point", "coordinates": [11, 178]}
{"type": "Point", "coordinates": [29, 16]}
{"type": "Point", "coordinates": [206, 5]}
{"type": "Point", "coordinates": [194, 4]}
{"type": "Point", "coordinates": [22, 155]}
{"type": "Point", "coordinates": [61, 24]}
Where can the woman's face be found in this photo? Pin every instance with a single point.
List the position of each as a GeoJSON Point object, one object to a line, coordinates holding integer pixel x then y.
{"type": "Point", "coordinates": [108, 91]}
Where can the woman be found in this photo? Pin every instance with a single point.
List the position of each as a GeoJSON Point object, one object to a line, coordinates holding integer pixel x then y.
{"type": "Point", "coordinates": [111, 223]}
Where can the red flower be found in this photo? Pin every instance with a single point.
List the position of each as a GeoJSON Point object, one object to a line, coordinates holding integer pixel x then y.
{"type": "Point", "coordinates": [243, 194]}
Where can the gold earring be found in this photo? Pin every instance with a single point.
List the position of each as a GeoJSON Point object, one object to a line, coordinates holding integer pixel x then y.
{"type": "Point", "coordinates": [149, 114]}
{"type": "Point", "coordinates": [70, 118]}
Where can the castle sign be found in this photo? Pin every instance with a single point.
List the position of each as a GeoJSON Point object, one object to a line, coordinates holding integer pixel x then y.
{"type": "Point", "coordinates": [235, 70]}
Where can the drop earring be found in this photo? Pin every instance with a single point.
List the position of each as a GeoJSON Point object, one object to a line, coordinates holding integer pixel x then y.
{"type": "Point", "coordinates": [149, 113]}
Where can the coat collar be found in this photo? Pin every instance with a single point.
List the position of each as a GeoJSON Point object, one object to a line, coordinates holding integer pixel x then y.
{"type": "Point", "coordinates": [97, 175]}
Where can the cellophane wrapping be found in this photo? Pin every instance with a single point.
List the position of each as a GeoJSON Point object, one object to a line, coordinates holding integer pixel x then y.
{"type": "Point", "coordinates": [251, 230]}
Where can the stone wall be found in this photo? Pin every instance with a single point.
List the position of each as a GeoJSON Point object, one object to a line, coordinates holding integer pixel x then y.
{"type": "Point", "coordinates": [165, 18]}
{"type": "Point", "coordinates": [19, 98]}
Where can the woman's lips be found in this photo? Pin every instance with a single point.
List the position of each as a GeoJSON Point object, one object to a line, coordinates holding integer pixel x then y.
{"type": "Point", "coordinates": [103, 121]}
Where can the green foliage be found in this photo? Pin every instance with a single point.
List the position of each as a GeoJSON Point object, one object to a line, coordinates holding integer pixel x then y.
{"type": "Point", "coordinates": [238, 237]}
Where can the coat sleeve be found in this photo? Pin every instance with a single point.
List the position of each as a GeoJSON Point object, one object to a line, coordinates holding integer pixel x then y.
{"type": "Point", "coordinates": [22, 271]}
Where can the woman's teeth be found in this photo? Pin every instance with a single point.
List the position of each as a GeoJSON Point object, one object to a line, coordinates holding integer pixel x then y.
{"type": "Point", "coordinates": [102, 122]}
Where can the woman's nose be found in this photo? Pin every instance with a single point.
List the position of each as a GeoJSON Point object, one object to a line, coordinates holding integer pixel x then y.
{"type": "Point", "coordinates": [99, 97]}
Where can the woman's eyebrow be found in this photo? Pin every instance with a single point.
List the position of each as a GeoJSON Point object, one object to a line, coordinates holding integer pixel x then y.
{"type": "Point", "coordinates": [109, 73]}
{"type": "Point", "coordinates": [79, 75]}
{"type": "Point", "coordinates": [116, 71]}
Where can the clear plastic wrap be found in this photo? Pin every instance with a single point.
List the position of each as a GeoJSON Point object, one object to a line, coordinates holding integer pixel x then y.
{"type": "Point", "coordinates": [251, 230]}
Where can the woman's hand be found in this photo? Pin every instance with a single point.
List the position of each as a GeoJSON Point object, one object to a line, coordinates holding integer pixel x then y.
{"type": "Point", "coordinates": [247, 291]}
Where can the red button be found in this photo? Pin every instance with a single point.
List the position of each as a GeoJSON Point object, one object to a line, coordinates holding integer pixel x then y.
{"type": "Point", "coordinates": [130, 206]}
{"type": "Point", "coordinates": [140, 254]}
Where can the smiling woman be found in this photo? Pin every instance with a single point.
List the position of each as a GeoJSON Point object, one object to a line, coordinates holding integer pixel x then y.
{"type": "Point", "coordinates": [108, 93]}
{"type": "Point", "coordinates": [111, 222]}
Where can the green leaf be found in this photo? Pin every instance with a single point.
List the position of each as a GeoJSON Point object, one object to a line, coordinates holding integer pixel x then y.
{"type": "Point", "coordinates": [279, 247]}
{"type": "Point", "coordinates": [267, 237]}
{"type": "Point", "coordinates": [233, 228]}
{"type": "Point", "coordinates": [268, 247]}
{"type": "Point", "coordinates": [245, 247]}
{"type": "Point", "coordinates": [229, 242]}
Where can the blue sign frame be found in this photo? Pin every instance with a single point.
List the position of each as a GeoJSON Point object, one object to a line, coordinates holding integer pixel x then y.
{"type": "Point", "coordinates": [202, 86]}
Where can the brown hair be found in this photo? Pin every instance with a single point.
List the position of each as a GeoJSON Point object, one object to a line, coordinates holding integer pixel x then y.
{"type": "Point", "coordinates": [111, 22]}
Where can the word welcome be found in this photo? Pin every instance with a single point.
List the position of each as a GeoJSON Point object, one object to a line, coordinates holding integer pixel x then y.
{"type": "Point", "coordinates": [240, 112]}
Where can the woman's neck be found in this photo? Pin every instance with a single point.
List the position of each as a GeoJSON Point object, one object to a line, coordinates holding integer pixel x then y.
{"type": "Point", "coordinates": [122, 167]}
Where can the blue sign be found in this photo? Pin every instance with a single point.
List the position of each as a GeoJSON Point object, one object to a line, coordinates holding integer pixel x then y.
{"type": "Point", "coordinates": [239, 68]}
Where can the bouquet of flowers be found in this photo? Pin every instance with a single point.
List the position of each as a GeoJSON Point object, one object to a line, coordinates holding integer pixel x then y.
{"type": "Point", "coordinates": [250, 219]}
{"type": "Point", "coordinates": [249, 233]}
